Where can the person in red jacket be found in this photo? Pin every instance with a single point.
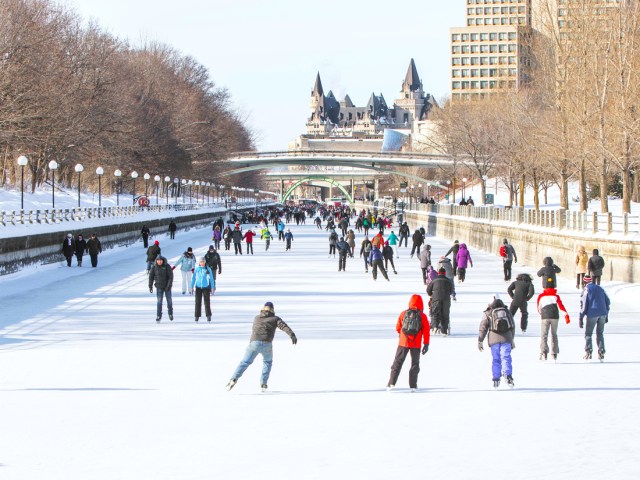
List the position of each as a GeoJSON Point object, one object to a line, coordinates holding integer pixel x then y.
{"type": "Point", "coordinates": [410, 343]}
{"type": "Point", "coordinates": [549, 306]}
{"type": "Point", "coordinates": [249, 239]}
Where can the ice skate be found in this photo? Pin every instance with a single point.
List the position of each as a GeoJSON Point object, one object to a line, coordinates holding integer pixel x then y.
{"type": "Point", "coordinates": [264, 387]}
{"type": "Point", "coordinates": [510, 381]}
{"type": "Point", "coordinates": [231, 384]}
{"type": "Point", "coordinates": [543, 357]}
{"type": "Point", "coordinates": [496, 383]}
{"type": "Point", "coordinates": [390, 387]}
{"type": "Point", "coordinates": [601, 355]}
{"type": "Point", "coordinates": [587, 355]}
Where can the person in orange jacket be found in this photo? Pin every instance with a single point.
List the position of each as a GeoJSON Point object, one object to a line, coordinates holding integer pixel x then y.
{"type": "Point", "coordinates": [413, 327]}
{"type": "Point", "coordinates": [549, 306]}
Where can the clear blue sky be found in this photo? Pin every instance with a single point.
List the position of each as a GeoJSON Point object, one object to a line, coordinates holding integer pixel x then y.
{"type": "Point", "coordinates": [267, 53]}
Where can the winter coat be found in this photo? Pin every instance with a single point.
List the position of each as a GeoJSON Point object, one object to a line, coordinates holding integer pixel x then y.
{"type": "Point", "coordinates": [152, 252]}
{"type": "Point", "coordinates": [236, 235]}
{"type": "Point", "coordinates": [351, 238]}
{"type": "Point", "coordinates": [378, 241]}
{"type": "Point", "coordinates": [161, 275]}
{"type": "Point", "coordinates": [423, 336]}
{"type": "Point", "coordinates": [454, 249]}
{"type": "Point", "coordinates": [441, 288]}
{"type": "Point", "coordinates": [280, 226]}
{"type": "Point", "coordinates": [94, 246]}
{"type": "Point", "coordinates": [548, 273]}
{"type": "Point", "coordinates": [581, 261]}
{"type": "Point", "coordinates": [365, 247]}
{"type": "Point", "coordinates": [550, 305]}
{"type": "Point", "coordinates": [343, 248]}
{"type": "Point", "coordinates": [217, 234]}
{"type": "Point", "coordinates": [510, 253]}
{"type": "Point", "coordinates": [448, 267]}
{"type": "Point", "coordinates": [68, 247]}
{"type": "Point", "coordinates": [333, 238]}
{"type": "Point", "coordinates": [463, 257]}
{"type": "Point", "coordinates": [213, 261]}
{"type": "Point", "coordinates": [266, 234]}
{"type": "Point", "coordinates": [594, 302]}
{"type": "Point", "coordinates": [404, 230]}
{"type": "Point", "coordinates": [172, 226]}
{"type": "Point", "coordinates": [595, 264]}
{"type": "Point", "coordinates": [81, 246]}
{"type": "Point", "coordinates": [417, 238]}
{"type": "Point", "coordinates": [393, 239]}
{"type": "Point", "coordinates": [521, 291]}
{"type": "Point", "coordinates": [425, 257]}
{"type": "Point", "coordinates": [203, 278]}
{"type": "Point", "coordinates": [187, 262]}
{"type": "Point", "coordinates": [288, 236]}
{"type": "Point", "coordinates": [485, 327]}
{"type": "Point", "coordinates": [264, 327]}
{"type": "Point", "coordinates": [387, 252]}
{"type": "Point", "coordinates": [145, 231]}
{"type": "Point", "coordinates": [375, 254]}
{"type": "Point", "coordinates": [248, 237]}
{"type": "Point", "coordinates": [431, 274]}
{"type": "Point", "coordinates": [226, 233]}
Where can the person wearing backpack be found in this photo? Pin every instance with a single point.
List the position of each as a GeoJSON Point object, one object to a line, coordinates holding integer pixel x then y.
{"type": "Point", "coordinates": [441, 290]}
{"type": "Point", "coordinates": [548, 273]}
{"type": "Point", "coordinates": [508, 254]}
{"type": "Point", "coordinates": [413, 328]}
{"type": "Point", "coordinates": [498, 323]}
{"type": "Point", "coordinates": [549, 307]}
{"type": "Point", "coordinates": [521, 291]}
{"type": "Point", "coordinates": [365, 250]}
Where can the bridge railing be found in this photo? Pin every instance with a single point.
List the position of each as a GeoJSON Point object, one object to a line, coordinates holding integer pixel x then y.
{"type": "Point", "coordinates": [336, 154]}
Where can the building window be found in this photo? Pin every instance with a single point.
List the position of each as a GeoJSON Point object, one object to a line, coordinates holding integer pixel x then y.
{"type": "Point", "coordinates": [465, 61]}
{"type": "Point", "coordinates": [474, 85]}
{"type": "Point", "coordinates": [455, 73]}
{"type": "Point", "coordinates": [474, 72]}
{"type": "Point", "coordinates": [455, 37]}
{"type": "Point", "coordinates": [455, 85]}
{"type": "Point", "coordinates": [455, 61]}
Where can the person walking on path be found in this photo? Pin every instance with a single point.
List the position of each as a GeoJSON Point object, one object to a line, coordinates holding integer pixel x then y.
{"type": "Point", "coordinates": [595, 306]}
{"type": "Point", "coordinates": [441, 290]}
{"type": "Point", "coordinates": [248, 237]}
{"type": "Point", "coordinates": [498, 323]}
{"type": "Point", "coordinates": [375, 260]}
{"type": "Point", "coordinates": [595, 267]}
{"type": "Point", "coordinates": [145, 235]}
{"type": "Point", "coordinates": [172, 230]}
{"type": "Point", "coordinates": [425, 261]}
{"type": "Point", "coordinates": [549, 306]}
{"type": "Point", "coordinates": [548, 273]}
{"type": "Point", "coordinates": [343, 250]}
{"type": "Point", "coordinates": [581, 265]}
{"type": "Point", "coordinates": [161, 276]}
{"type": "Point", "coordinates": [387, 254]}
{"type": "Point", "coordinates": [288, 238]}
{"type": "Point", "coordinates": [417, 240]}
{"type": "Point", "coordinates": [68, 248]}
{"type": "Point", "coordinates": [81, 246]}
{"type": "Point", "coordinates": [463, 259]}
{"type": "Point", "coordinates": [393, 243]}
{"type": "Point", "coordinates": [454, 255]}
{"type": "Point", "coordinates": [187, 263]}
{"type": "Point", "coordinates": [94, 247]}
{"type": "Point", "coordinates": [508, 254]}
{"type": "Point", "coordinates": [204, 284]}
{"type": "Point", "coordinates": [261, 343]}
{"type": "Point", "coordinates": [214, 262]}
{"type": "Point", "coordinates": [521, 291]}
{"type": "Point", "coordinates": [152, 253]}
{"type": "Point", "coordinates": [414, 332]}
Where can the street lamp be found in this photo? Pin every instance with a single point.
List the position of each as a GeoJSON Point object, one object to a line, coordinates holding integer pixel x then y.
{"type": "Point", "coordinates": [197, 189]}
{"type": "Point", "coordinates": [22, 161]}
{"type": "Point", "coordinates": [157, 180]}
{"type": "Point", "coordinates": [167, 179]}
{"type": "Point", "coordinates": [176, 182]}
{"type": "Point", "coordinates": [117, 174]}
{"type": "Point", "coordinates": [484, 188]}
{"type": "Point", "coordinates": [146, 177]}
{"type": "Point", "coordinates": [79, 168]}
{"type": "Point", "coordinates": [421, 192]}
{"type": "Point", "coordinates": [464, 184]}
{"type": "Point", "coordinates": [184, 185]}
{"type": "Point", "coordinates": [448, 194]}
{"type": "Point", "coordinates": [53, 166]}
{"type": "Point", "coordinates": [99, 172]}
{"type": "Point", "coordinates": [190, 183]}
{"type": "Point", "coordinates": [134, 175]}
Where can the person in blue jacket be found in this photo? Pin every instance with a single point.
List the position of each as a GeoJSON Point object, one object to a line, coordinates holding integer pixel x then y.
{"type": "Point", "coordinates": [594, 304]}
{"type": "Point", "coordinates": [205, 286]}
{"type": "Point", "coordinates": [375, 260]}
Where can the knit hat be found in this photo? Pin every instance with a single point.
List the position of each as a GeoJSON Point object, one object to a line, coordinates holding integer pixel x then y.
{"type": "Point", "coordinates": [69, 235]}
{"type": "Point", "coordinates": [268, 307]}
{"type": "Point", "coordinates": [586, 280]}
{"type": "Point", "coordinates": [202, 259]}
{"type": "Point", "coordinates": [156, 242]}
{"type": "Point", "coordinates": [504, 240]}
{"type": "Point", "coordinates": [493, 297]}
{"type": "Point", "coordinates": [456, 241]}
{"type": "Point", "coordinates": [211, 247]}
{"type": "Point", "coordinates": [442, 271]}
{"type": "Point", "coordinates": [189, 249]}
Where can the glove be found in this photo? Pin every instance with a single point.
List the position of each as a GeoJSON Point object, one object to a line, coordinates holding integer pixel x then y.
{"type": "Point", "coordinates": [606, 320]}
{"type": "Point", "coordinates": [294, 339]}
{"type": "Point", "coordinates": [454, 298]}
{"type": "Point", "coordinates": [173, 268]}
{"type": "Point", "coordinates": [192, 270]}
{"type": "Point", "coordinates": [566, 319]}
{"type": "Point", "coordinates": [513, 345]}
{"type": "Point", "coordinates": [524, 330]}
{"type": "Point", "coordinates": [581, 324]}
{"type": "Point", "coordinates": [425, 348]}
{"type": "Point", "coordinates": [150, 289]}
{"type": "Point", "coordinates": [480, 346]}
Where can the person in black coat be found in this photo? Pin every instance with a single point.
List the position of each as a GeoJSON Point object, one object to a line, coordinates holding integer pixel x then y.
{"type": "Point", "coordinates": [418, 240]}
{"type": "Point", "coordinates": [548, 273]}
{"type": "Point", "coordinates": [403, 233]}
{"type": "Point", "coordinates": [81, 246]}
{"type": "Point", "coordinates": [387, 254]}
{"type": "Point", "coordinates": [343, 250]}
{"type": "Point", "coordinates": [68, 248]}
{"type": "Point", "coordinates": [454, 250]}
{"type": "Point", "coordinates": [521, 291]}
{"type": "Point", "coordinates": [441, 290]}
{"type": "Point", "coordinates": [595, 267]}
{"type": "Point", "coordinates": [95, 248]}
{"type": "Point", "coordinates": [161, 276]}
{"type": "Point", "coordinates": [145, 235]}
{"type": "Point", "coordinates": [172, 229]}
{"type": "Point", "coordinates": [152, 253]}
{"type": "Point", "coordinates": [213, 260]}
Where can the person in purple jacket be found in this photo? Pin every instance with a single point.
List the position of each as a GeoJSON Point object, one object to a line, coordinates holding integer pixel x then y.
{"type": "Point", "coordinates": [594, 305]}
{"type": "Point", "coordinates": [464, 259]}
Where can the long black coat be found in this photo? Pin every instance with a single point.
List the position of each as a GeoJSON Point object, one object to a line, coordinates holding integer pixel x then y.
{"type": "Point", "coordinates": [521, 291]}
{"type": "Point", "coordinates": [81, 246]}
{"type": "Point", "coordinates": [152, 252]}
{"type": "Point", "coordinates": [441, 288]}
{"type": "Point", "coordinates": [161, 275]}
{"type": "Point", "coordinates": [595, 265]}
{"type": "Point", "coordinates": [68, 247]}
{"type": "Point", "coordinates": [94, 246]}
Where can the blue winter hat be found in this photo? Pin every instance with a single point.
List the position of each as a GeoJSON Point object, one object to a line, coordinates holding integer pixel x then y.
{"type": "Point", "coordinates": [269, 305]}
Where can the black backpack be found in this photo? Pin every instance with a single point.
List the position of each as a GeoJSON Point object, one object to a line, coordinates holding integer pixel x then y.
{"type": "Point", "coordinates": [501, 320]}
{"type": "Point", "coordinates": [411, 322]}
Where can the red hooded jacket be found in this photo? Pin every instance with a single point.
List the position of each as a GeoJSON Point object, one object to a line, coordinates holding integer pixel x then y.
{"type": "Point", "coordinates": [414, 341]}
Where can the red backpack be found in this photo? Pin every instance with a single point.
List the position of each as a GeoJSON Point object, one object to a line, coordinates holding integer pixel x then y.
{"type": "Point", "coordinates": [503, 251]}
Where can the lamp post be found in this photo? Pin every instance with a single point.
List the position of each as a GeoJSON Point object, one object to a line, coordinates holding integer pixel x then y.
{"type": "Point", "coordinates": [117, 174]}
{"type": "Point", "coordinates": [146, 177]}
{"type": "Point", "coordinates": [79, 168]}
{"type": "Point", "coordinates": [167, 179]}
{"type": "Point", "coordinates": [190, 183]}
{"type": "Point", "coordinates": [484, 189]}
{"type": "Point", "coordinates": [53, 166]}
{"type": "Point", "coordinates": [448, 194]}
{"type": "Point", "coordinates": [421, 191]}
{"type": "Point", "coordinates": [464, 185]}
{"type": "Point", "coordinates": [22, 161]}
{"type": "Point", "coordinates": [197, 190]}
{"type": "Point", "coordinates": [184, 185]}
{"type": "Point", "coordinates": [176, 182]}
{"type": "Point", "coordinates": [99, 172]}
{"type": "Point", "coordinates": [134, 175]}
{"type": "Point", "coordinates": [157, 180]}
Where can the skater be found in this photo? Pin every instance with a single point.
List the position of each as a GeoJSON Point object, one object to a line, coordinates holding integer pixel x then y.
{"type": "Point", "coordinates": [393, 243]}
{"type": "Point", "coordinates": [425, 261]}
{"type": "Point", "coordinates": [418, 240]}
{"type": "Point", "coordinates": [248, 237]}
{"type": "Point", "coordinates": [404, 234]}
{"type": "Point", "coordinates": [68, 248]}
{"type": "Point", "coordinates": [161, 276]}
{"type": "Point", "coordinates": [94, 247]}
{"type": "Point", "coordinates": [549, 307]}
{"type": "Point", "coordinates": [508, 254]}
{"type": "Point", "coordinates": [581, 265]}
{"type": "Point", "coordinates": [267, 237]}
{"type": "Point", "coordinates": [548, 273]}
{"type": "Point", "coordinates": [463, 259]}
{"type": "Point", "coordinates": [152, 252]}
{"type": "Point", "coordinates": [375, 260]}
{"type": "Point", "coordinates": [145, 235]}
{"type": "Point", "coordinates": [318, 222]}
{"type": "Point", "coordinates": [432, 274]}
{"type": "Point", "coordinates": [280, 228]}
{"type": "Point", "coordinates": [261, 342]}
{"type": "Point", "coordinates": [595, 306]}
{"type": "Point", "coordinates": [521, 291]}
{"type": "Point", "coordinates": [216, 236]}
{"type": "Point", "coordinates": [226, 236]}
{"type": "Point", "coordinates": [187, 263]}
{"type": "Point", "coordinates": [333, 240]}
{"type": "Point", "coordinates": [413, 328]}
{"type": "Point", "coordinates": [205, 286]}
{"type": "Point", "coordinates": [172, 230]}
{"type": "Point", "coordinates": [454, 255]}
{"type": "Point", "coordinates": [288, 237]}
{"type": "Point", "coordinates": [214, 262]}
{"type": "Point", "coordinates": [441, 290]}
{"type": "Point", "coordinates": [81, 246]}
{"type": "Point", "coordinates": [343, 250]}
{"type": "Point", "coordinates": [366, 225]}
{"type": "Point", "coordinates": [365, 250]}
{"type": "Point", "coordinates": [351, 240]}
{"type": "Point", "coordinates": [498, 322]}
{"type": "Point", "coordinates": [236, 236]}
{"type": "Point", "coordinates": [595, 267]}
{"type": "Point", "coordinates": [448, 267]}
{"type": "Point", "coordinates": [387, 254]}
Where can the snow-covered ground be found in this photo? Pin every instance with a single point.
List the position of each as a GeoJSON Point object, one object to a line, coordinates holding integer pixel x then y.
{"type": "Point", "coordinates": [92, 388]}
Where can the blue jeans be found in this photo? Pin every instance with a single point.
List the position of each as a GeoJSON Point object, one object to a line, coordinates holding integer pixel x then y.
{"type": "Point", "coordinates": [597, 323]}
{"type": "Point", "coordinates": [501, 353]}
{"type": "Point", "coordinates": [257, 347]}
{"type": "Point", "coordinates": [159, 294]}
